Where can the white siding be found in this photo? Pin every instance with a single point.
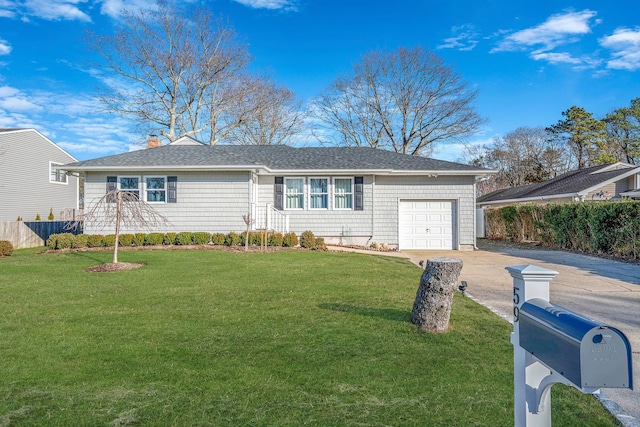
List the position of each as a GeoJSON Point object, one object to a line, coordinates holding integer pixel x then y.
{"type": "Point", "coordinates": [390, 189]}
{"type": "Point", "coordinates": [211, 202]}
{"type": "Point", "coordinates": [215, 202]}
{"type": "Point", "coordinates": [347, 226]}
{"type": "Point", "coordinates": [25, 189]}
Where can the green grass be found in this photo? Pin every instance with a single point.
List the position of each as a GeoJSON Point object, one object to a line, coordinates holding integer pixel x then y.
{"type": "Point", "coordinates": [234, 339]}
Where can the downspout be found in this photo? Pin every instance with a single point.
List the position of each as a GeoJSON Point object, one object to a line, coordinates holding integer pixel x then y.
{"type": "Point", "coordinates": [373, 206]}
{"type": "Point", "coordinates": [475, 216]}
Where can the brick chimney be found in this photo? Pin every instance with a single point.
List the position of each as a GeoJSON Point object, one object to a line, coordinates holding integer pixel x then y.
{"type": "Point", "coordinates": [153, 141]}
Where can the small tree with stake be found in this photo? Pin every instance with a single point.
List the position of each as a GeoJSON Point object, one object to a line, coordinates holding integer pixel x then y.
{"type": "Point", "coordinates": [122, 209]}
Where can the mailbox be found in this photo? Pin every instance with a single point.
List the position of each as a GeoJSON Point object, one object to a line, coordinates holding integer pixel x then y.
{"type": "Point", "coordinates": [587, 353]}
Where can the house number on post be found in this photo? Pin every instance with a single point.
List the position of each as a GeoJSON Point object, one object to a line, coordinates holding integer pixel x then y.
{"type": "Point", "coordinates": [516, 304]}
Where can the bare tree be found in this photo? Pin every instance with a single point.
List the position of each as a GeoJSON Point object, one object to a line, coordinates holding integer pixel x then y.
{"type": "Point", "coordinates": [121, 209]}
{"type": "Point", "coordinates": [403, 101]}
{"type": "Point", "coordinates": [523, 156]}
{"type": "Point", "coordinates": [267, 114]}
{"type": "Point", "coordinates": [177, 72]}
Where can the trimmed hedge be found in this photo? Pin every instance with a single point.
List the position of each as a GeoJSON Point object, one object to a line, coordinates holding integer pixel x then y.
{"type": "Point", "coordinates": [290, 240]}
{"type": "Point", "coordinates": [67, 240]}
{"type": "Point", "coordinates": [6, 248]}
{"type": "Point", "coordinates": [604, 227]}
{"type": "Point", "coordinates": [183, 238]}
{"type": "Point", "coordinates": [201, 238]}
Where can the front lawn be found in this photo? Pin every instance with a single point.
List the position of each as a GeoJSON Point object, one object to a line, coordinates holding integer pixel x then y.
{"type": "Point", "coordinates": [247, 339]}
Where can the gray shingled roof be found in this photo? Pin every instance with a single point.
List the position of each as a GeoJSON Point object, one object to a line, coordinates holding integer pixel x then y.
{"type": "Point", "coordinates": [572, 182]}
{"type": "Point", "coordinates": [272, 158]}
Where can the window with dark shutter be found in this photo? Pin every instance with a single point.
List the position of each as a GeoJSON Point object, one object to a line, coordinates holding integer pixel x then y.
{"type": "Point", "coordinates": [112, 185]}
{"type": "Point", "coordinates": [172, 189]}
{"type": "Point", "coordinates": [358, 193]}
{"type": "Point", "coordinates": [278, 193]}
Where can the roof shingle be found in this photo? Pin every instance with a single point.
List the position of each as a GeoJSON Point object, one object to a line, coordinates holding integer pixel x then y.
{"type": "Point", "coordinates": [274, 158]}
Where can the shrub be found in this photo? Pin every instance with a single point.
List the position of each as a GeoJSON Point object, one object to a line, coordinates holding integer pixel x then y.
{"type": "Point", "coordinates": [95, 240]}
{"type": "Point", "coordinates": [218, 238]}
{"type": "Point", "coordinates": [139, 238]}
{"type": "Point", "coordinates": [50, 217]}
{"type": "Point", "coordinates": [109, 240]}
{"type": "Point", "coordinates": [153, 239]}
{"type": "Point", "coordinates": [169, 238]}
{"type": "Point", "coordinates": [52, 242]}
{"type": "Point", "coordinates": [37, 217]}
{"type": "Point", "coordinates": [201, 238]}
{"type": "Point", "coordinates": [307, 240]}
{"type": "Point", "coordinates": [255, 238]}
{"type": "Point", "coordinates": [290, 240]}
{"type": "Point", "coordinates": [6, 248]}
{"type": "Point", "coordinates": [184, 238]}
{"type": "Point", "coordinates": [80, 241]}
{"type": "Point", "coordinates": [65, 240]}
{"type": "Point", "coordinates": [19, 218]}
{"type": "Point", "coordinates": [125, 239]}
{"type": "Point", "coordinates": [61, 241]}
{"type": "Point", "coordinates": [275, 239]}
{"type": "Point", "coordinates": [320, 245]}
{"type": "Point", "coordinates": [232, 239]}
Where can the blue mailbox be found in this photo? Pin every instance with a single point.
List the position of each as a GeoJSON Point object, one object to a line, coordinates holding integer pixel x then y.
{"type": "Point", "coordinates": [587, 353]}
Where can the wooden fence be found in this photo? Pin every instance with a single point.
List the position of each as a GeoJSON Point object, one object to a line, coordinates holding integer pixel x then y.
{"type": "Point", "coordinates": [32, 234]}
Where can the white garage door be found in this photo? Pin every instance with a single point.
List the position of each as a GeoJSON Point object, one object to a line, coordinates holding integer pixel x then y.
{"type": "Point", "coordinates": [426, 224]}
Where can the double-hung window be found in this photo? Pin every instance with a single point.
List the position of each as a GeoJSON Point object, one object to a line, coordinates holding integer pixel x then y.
{"type": "Point", "coordinates": [318, 193]}
{"type": "Point", "coordinates": [294, 193]}
{"type": "Point", "coordinates": [130, 184]}
{"type": "Point", "coordinates": [343, 193]}
{"type": "Point", "coordinates": [156, 189]}
{"type": "Point", "coordinates": [55, 174]}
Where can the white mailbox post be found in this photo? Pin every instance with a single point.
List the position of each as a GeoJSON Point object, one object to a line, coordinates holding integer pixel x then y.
{"type": "Point", "coordinates": [554, 345]}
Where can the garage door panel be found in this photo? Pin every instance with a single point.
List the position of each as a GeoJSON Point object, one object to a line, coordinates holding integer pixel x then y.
{"type": "Point", "coordinates": [426, 224]}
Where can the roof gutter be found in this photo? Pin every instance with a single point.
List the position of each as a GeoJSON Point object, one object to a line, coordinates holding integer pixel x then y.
{"type": "Point", "coordinates": [263, 170]}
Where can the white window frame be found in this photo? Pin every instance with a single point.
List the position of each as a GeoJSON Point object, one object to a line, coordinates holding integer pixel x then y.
{"type": "Point", "coordinates": [327, 194]}
{"type": "Point", "coordinates": [335, 193]}
{"type": "Point", "coordinates": [140, 180]}
{"type": "Point", "coordinates": [146, 189]}
{"type": "Point", "coordinates": [61, 176]}
{"type": "Point", "coordinates": [286, 195]}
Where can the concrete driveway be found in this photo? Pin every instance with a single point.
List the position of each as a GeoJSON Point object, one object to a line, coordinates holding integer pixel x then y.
{"type": "Point", "coordinates": [607, 291]}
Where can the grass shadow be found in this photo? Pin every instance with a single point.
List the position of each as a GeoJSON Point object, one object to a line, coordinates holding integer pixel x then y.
{"type": "Point", "coordinates": [383, 313]}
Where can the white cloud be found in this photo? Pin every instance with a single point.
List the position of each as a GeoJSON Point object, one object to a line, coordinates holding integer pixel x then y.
{"type": "Point", "coordinates": [114, 8]}
{"type": "Point", "coordinates": [54, 10]}
{"type": "Point", "coordinates": [556, 57]}
{"type": "Point", "coordinates": [268, 4]}
{"type": "Point", "coordinates": [464, 38]}
{"type": "Point", "coordinates": [625, 46]}
{"type": "Point", "coordinates": [12, 100]}
{"type": "Point", "coordinates": [51, 10]}
{"type": "Point", "coordinates": [8, 9]}
{"type": "Point", "coordinates": [5, 47]}
{"type": "Point", "coordinates": [557, 30]}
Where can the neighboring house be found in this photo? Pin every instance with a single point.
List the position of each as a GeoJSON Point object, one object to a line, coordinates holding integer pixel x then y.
{"type": "Point", "coordinates": [353, 196]}
{"type": "Point", "coordinates": [605, 182]}
{"type": "Point", "coordinates": [31, 181]}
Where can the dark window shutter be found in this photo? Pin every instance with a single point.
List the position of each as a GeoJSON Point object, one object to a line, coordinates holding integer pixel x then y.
{"type": "Point", "coordinates": [358, 193]}
{"type": "Point", "coordinates": [172, 189]}
{"type": "Point", "coordinates": [278, 193]}
{"type": "Point", "coordinates": [112, 185]}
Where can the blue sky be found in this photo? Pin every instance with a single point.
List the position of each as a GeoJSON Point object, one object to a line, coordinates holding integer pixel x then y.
{"type": "Point", "coordinates": [529, 60]}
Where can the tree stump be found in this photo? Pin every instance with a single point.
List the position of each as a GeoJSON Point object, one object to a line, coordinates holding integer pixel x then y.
{"type": "Point", "coordinates": [432, 307]}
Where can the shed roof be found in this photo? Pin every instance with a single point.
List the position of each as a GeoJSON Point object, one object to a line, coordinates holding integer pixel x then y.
{"type": "Point", "coordinates": [577, 182]}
